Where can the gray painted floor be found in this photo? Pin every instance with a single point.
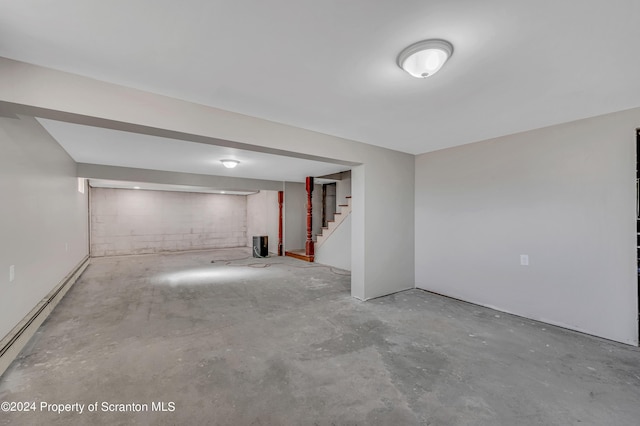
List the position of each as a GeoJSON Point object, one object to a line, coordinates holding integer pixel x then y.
{"type": "Point", "coordinates": [243, 344]}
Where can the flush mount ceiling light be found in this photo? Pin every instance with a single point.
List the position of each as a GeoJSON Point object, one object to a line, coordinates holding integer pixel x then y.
{"type": "Point", "coordinates": [425, 58]}
{"type": "Point", "coordinates": [229, 164]}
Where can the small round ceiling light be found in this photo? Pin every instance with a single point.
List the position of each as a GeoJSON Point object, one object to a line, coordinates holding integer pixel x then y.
{"type": "Point", "coordinates": [229, 164]}
{"type": "Point", "coordinates": [425, 58]}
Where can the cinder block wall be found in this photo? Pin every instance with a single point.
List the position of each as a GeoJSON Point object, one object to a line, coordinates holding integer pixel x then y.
{"type": "Point", "coordinates": [127, 221]}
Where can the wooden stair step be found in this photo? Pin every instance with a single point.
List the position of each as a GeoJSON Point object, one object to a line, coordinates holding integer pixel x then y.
{"type": "Point", "coordinates": [338, 218]}
{"type": "Point", "coordinates": [299, 254]}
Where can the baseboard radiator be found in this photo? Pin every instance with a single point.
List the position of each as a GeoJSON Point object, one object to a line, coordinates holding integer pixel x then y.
{"type": "Point", "coordinates": [12, 343]}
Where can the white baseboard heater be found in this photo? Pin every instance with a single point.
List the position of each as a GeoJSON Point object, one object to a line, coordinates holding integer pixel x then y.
{"type": "Point", "coordinates": [12, 343]}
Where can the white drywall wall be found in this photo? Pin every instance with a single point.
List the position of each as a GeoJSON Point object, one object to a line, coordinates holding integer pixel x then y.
{"type": "Point", "coordinates": [262, 218]}
{"type": "Point", "coordinates": [564, 196]}
{"type": "Point", "coordinates": [336, 250]}
{"type": "Point", "coordinates": [128, 221]}
{"type": "Point", "coordinates": [44, 226]}
{"type": "Point", "coordinates": [343, 189]}
{"type": "Point", "coordinates": [295, 216]}
{"type": "Point", "coordinates": [382, 179]}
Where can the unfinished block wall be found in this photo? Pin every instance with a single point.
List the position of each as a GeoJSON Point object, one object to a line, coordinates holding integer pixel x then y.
{"type": "Point", "coordinates": [262, 218]}
{"type": "Point", "coordinates": [127, 221]}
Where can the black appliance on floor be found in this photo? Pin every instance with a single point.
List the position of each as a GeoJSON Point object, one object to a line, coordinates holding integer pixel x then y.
{"type": "Point", "coordinates": [260, 246]}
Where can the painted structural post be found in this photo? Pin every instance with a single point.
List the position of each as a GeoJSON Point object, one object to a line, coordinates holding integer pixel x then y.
{"type": "Point", "coordinates": [309, 251]}
{"type": "Point", "coordinates": [280, 201]}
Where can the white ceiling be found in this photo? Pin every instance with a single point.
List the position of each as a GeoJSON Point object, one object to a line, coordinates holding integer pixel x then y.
{"type": "Point", "coordinates": [93, 145]}
{"type": "Point", "coordinates": [330, 65]}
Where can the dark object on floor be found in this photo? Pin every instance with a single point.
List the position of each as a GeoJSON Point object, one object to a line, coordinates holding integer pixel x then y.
{"type": "Point", "coordinates": [260, 246]}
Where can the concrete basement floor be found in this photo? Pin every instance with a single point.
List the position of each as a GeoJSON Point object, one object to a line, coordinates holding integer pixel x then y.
{"type": "Point", "coordinates": [242, 344]}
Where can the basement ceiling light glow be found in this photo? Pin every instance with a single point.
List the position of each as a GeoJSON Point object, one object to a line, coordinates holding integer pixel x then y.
{"type": "Point", "coordinates": [425, 58]}
{"type": "Point", "coordinates": [230, 164]}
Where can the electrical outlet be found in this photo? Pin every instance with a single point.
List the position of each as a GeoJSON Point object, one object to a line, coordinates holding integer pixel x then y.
{"type": "Point", "coordinates": [12, 273]}
{"type": "Point", "coordinates": [66, 247]}
{"type": "Point", "coordinates": [524, 259]}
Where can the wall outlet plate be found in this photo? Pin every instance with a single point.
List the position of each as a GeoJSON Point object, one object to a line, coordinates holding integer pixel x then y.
{"type": "Point", "coordinates": [12, 273]}
{"type": "Point", "coordinates": [524, 259]}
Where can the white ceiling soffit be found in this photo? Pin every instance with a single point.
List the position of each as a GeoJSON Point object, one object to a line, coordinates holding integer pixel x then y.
{"type": "Point", "coordinates": [330, 66]}
{"type": "Point", "coordinates": [118, 184]}
{"type": "Point", "coordinates": [93, 145]}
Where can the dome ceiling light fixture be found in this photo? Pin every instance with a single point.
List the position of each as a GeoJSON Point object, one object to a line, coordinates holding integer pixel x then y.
{"type": "Point", "coordinates": [425, 58]}
{"type": "Point", "coordinates": [229, 164]}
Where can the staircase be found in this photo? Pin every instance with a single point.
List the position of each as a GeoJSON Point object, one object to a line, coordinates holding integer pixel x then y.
{"type": "Point", "coordinates": [345, 210]}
